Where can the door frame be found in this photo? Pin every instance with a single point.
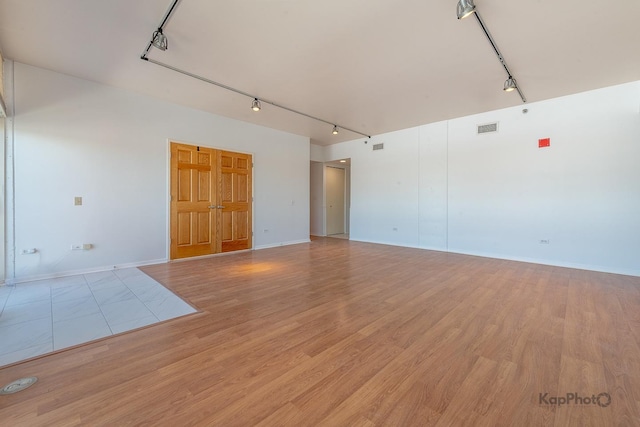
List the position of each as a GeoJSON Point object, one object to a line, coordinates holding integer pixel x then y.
{"type": "Point", "coordinates": [329, 188]}
{"type": "Point", "coordinates": [338, 164]}
{"type": "Point", "coordinates": [167, 201]}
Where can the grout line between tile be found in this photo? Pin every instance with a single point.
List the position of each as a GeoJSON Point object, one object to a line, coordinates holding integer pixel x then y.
{"type": "Point", "coordinates": [98, 304]}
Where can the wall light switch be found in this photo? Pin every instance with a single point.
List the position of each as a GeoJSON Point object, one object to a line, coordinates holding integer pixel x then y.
{"type": "Point", "coordinates": [77, 201]}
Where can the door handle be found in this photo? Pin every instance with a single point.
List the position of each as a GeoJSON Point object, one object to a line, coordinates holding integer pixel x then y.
{"type": "Point", "coordinates": [216, 207]}
{"type": "Point", "coordinates": [220, 207]}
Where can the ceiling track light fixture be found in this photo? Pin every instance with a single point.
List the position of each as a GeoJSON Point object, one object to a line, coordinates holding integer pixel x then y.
{"type": "Point", "coordinates": [255, 105]}
{"type": "Point", "coordinates": [159, 40]}
{"type": "Point", "coordinates": [510, 84]}
{"type": "Point", "coordinates": [466, 8]}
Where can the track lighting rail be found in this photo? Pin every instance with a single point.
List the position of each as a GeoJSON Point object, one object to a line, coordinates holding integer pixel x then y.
{"type": "Point", "coordinates": [255, 99]}
{"type": "Point", "coordinates": [466, 8]}
{"type": "Point", "coordinates": [498, 54]}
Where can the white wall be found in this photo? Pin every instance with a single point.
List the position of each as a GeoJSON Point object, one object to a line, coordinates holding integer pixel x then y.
{"type": "Point", "coordinates": [441, 186]}
{"type": "Point", "coordinates": [347, 196]}
{"type": "Point", "coordinates": [432, 184]}
{"type": "Point", "coordinates": [316, 153]}
{"type": "Point", "coordinates": [2, 199]}
{"type": "Point", "coordinates": [317, 199]}
{"type": "Point", "coordinates": [73, 137]}
{"type": "Point", "coordinates": [384, 190]}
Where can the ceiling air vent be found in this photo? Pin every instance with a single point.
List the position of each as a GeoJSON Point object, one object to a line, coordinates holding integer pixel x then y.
{"type": "Point", "coordinates": [490, 127]}
{"type": "Point", "coordinates": [378, 146]}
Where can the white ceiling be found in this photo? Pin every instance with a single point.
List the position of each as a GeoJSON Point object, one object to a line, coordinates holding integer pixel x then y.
{"type": "Point", "coordinates": [371, 65]}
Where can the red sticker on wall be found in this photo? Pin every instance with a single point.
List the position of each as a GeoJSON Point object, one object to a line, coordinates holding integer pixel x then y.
{"type": "Point", "coordinates": [545, 142]}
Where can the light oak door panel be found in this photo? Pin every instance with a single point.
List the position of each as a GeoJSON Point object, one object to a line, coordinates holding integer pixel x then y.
{"type": "Point", "coordinates": [193, 202]}
{"type": "Point", "coordinates": [211, 201]}
{"type": "Point", "coordinates": [236, 197]}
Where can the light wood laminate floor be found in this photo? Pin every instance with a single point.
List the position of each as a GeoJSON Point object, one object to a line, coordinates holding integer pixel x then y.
{"type": "Point", "coordinates": [342, 333]}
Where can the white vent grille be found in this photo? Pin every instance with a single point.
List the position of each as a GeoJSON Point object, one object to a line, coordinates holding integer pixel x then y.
{"type": "Point", "coordinates": [378, 147]}
{"type": "Point", "coordinates": [489, 127]}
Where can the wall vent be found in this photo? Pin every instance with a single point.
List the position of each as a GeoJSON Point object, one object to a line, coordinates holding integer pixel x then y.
{"type": "Point", "coordinates": [489, 127]}
{"type": "Point", "coordinates": [378, 146]}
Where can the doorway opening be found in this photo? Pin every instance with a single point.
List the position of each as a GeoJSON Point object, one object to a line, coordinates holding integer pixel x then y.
{"type": "Point", "coordinates": [330, 198]}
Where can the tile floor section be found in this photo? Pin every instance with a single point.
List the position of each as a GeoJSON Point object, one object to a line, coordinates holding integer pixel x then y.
{"type": "Point", "coordinates": [47, 315]}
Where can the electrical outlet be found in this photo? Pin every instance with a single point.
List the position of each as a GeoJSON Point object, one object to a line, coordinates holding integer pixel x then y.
{"type": "Point", "coordinates": [77, 201]}
{"type": "Point", "coordinates": [82, 247]}
{"type": "Point", "coordinates": [544, 241]}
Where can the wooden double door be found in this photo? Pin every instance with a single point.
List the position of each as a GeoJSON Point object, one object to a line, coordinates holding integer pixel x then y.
{"type": "Point", "coordinates": [211, 201]}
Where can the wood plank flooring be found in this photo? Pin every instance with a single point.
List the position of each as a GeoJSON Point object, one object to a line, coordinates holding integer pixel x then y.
{"type": "Point", "coordinates": [339, 333]}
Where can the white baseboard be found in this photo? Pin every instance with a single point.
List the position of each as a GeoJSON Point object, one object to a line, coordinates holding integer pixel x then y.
{"type": "Point", "coordinates": [277, 245]}
{"type": "Point", "coordinates": [59, 274]}
{"type": "Point", "coordinates": [578, 266]}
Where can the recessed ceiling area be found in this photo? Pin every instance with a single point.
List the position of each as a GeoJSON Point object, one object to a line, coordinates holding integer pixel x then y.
{"type": "Point", "coordinates": [375, 66]}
